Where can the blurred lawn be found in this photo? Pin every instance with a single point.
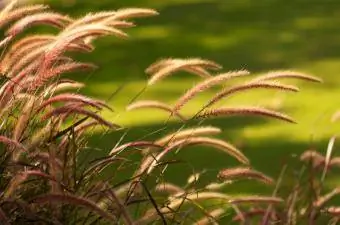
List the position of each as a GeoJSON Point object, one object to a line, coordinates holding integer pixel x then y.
{"type": "Point", "coordinates": [259, 36]}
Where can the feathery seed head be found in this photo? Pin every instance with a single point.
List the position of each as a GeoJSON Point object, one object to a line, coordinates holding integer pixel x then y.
{"type": "Point", "coordinates": [287, 74]}
{"type": "Point", "coordinates": [249, 86]}
{"type": "Point", "coordinates": [166, 67]}
{"type": "Point", "coordinates": [53, 19]}
{"type": "Point", "coordinates": [244, 172]}
{"type": "Point", "coordinates": [11, 15]}
{"type": "Point", "coordinates": [256, 111]}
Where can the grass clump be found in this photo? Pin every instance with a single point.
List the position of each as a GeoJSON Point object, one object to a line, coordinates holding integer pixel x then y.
{"type": "Point", "coordinates": [44, 119]}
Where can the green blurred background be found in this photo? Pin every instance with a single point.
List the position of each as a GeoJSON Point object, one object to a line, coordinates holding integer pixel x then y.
{"type": "Point", "coordinates": [259, 36]}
